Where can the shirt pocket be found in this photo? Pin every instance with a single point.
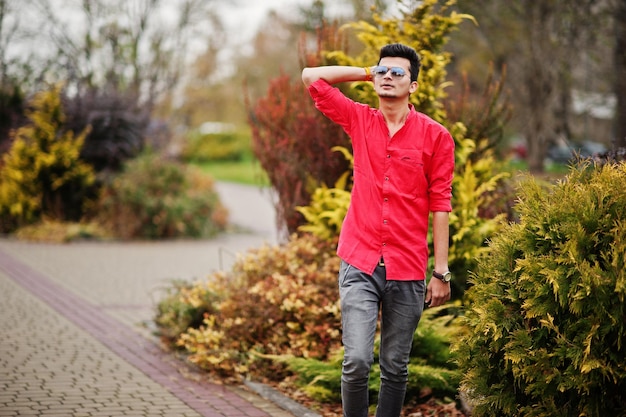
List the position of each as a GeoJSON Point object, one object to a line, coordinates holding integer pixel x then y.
{"type": "Point", "coordinates": [409, 171]}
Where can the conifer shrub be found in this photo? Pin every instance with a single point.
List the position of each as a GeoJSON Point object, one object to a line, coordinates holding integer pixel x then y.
{"type": "Point", "coordinates": [42, 174]}
{"type": "Point", "coordinates": [546, 326]}
{"type": "Point", "coordinates": [329, 206]}
{"type": "Point", "coordinates": [473, 188]}
{"type": "Point", "coordinates": [154, 198]}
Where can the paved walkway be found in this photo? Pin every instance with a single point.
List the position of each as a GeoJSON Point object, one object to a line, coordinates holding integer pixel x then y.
{"type": "Point", "coordinates": [76, 335]}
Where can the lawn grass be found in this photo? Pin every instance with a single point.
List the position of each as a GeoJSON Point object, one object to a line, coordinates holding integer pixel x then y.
{"type": "Point", "coordinates": [552, 171]}
{"type": "Point", "coordinates": [246, 171]}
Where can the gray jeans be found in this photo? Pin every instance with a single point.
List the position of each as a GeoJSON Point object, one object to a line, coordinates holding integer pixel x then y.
{"type": "Point", "coordinates": [401, 303]}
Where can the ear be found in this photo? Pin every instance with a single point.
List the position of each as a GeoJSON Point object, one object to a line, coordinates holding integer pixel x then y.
{"type": "Point", "coordinates": [413, 87]}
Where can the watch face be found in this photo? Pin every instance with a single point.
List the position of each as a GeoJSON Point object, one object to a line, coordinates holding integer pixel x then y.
{"type": "Point", "coordinates": [445, 277]}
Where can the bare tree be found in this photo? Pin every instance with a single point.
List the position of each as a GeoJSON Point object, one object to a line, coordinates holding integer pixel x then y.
{"type": "Point", "coordinates": [620, 72]}
{"type": "Point", "coordinates": [542, 43]}
{"type": "Point", "coordinates": [7, 31]}
{"type": "Point", "coordinates": [11, 94]}
{"type": "Point", "coordinates": [16, 64]}
{"type": "Point", "coordinates": [136, 47]}
{"type": "Point", "coordinates": [117, 59]}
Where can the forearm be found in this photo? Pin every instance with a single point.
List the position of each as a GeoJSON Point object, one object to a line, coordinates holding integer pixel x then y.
{"type": "Point", "coordinates": [334, 74]}
{"type": "Point", "coordinates": [441, 240]}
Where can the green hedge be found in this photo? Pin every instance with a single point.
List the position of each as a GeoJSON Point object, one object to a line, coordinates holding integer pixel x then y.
{"type": "Point", "coordinates": [227, 146]}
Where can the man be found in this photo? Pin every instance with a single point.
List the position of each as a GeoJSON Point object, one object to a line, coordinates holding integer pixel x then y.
{"type": "Point", "coordinates": [403, 168]}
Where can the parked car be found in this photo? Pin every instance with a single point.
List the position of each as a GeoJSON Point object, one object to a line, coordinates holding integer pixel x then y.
{"type": "Point", "coordinates": [565, 152]}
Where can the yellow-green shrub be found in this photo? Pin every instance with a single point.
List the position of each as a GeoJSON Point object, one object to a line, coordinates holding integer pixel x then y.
{"type": "Point", "coordinates": [329, 206]}
{"type": "Point", "coordinates": [472, 186]}
{"type": "Point", "coordinates": [42, 175]}
{"type": "Point", "coordinates": [545, 321]}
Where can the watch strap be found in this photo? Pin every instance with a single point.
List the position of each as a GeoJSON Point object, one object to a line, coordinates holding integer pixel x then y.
{"type": "Point", "coordinates": [442, 276]}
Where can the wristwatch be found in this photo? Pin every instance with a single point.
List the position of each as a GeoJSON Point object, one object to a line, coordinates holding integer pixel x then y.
{"type": "Point", "coordinates": [445, 277]}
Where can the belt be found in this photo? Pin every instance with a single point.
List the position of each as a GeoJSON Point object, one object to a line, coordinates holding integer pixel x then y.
{"type": "Point", "coordinates": [381, 262]}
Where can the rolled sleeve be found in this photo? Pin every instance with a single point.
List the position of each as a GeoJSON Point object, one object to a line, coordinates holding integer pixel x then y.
{"type": "Point", "coordinates": [332, 103]}
{"type": "Point", "coordinates": [442, 173]}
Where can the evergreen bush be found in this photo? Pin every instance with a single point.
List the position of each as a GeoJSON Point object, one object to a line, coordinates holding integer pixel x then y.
{"type": "Point", "coordinates": [154, 198]}
{"type": "Point", "coordinates": [329, 206]}
{"type": "Point", "coordinates": [546, 328]}
{"type": "Point", "coordinates": [42, 174]}
{"type": "Point", "coordinates": [473, 189]}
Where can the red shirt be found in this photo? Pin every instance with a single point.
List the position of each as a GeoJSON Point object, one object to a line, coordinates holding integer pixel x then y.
{"type": "Point", "coordinates": [398, 181]}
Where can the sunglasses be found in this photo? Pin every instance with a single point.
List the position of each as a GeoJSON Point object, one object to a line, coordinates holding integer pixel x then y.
{"type": "Point", "coordinates": [396, 72]}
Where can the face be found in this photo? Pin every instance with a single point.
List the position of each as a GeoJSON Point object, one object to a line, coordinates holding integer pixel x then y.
{"type": "Point", "coordinates": [390, 86]}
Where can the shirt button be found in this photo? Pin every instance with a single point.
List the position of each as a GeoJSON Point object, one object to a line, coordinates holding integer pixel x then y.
{"type": "Point", "coordinates": [384, 244]}
{"type": "Point", "coordinates": [386, 178]}
{"type": "Point", "coordinates": [386, 199]}
{"type": "Point", "coordinates": [385, 221]}
{"type": "Point", "coordinates": [388, 156]}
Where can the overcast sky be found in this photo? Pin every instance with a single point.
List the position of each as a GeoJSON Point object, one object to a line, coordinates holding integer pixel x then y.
{"type": "Point", "coordinates": [243, 17]}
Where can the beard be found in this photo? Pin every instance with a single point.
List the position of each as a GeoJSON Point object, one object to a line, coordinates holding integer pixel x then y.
{"type": "Point", "coordinates": [390, 95]}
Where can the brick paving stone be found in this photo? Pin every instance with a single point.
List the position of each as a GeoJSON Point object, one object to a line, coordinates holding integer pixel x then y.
{"type": "Point", "coordinates": [85, 363]}
{"type": "Point", "coordinates": [75, 335]}
{"type": "Point", "coordinates": [46, 340]}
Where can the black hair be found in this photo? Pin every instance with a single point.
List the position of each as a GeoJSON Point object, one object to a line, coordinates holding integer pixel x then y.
{"type": "Point", "coordinates": [398, 50]}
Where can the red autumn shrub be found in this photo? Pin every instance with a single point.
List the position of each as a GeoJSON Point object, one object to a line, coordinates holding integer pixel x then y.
{"type": "Point", "coordinates": [292, 140]}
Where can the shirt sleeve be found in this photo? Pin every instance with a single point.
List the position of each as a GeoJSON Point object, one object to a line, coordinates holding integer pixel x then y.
{"type": "Point", "coordinates": [333, 103]}
{"type": "Point", "coordinates": [442, 173]}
